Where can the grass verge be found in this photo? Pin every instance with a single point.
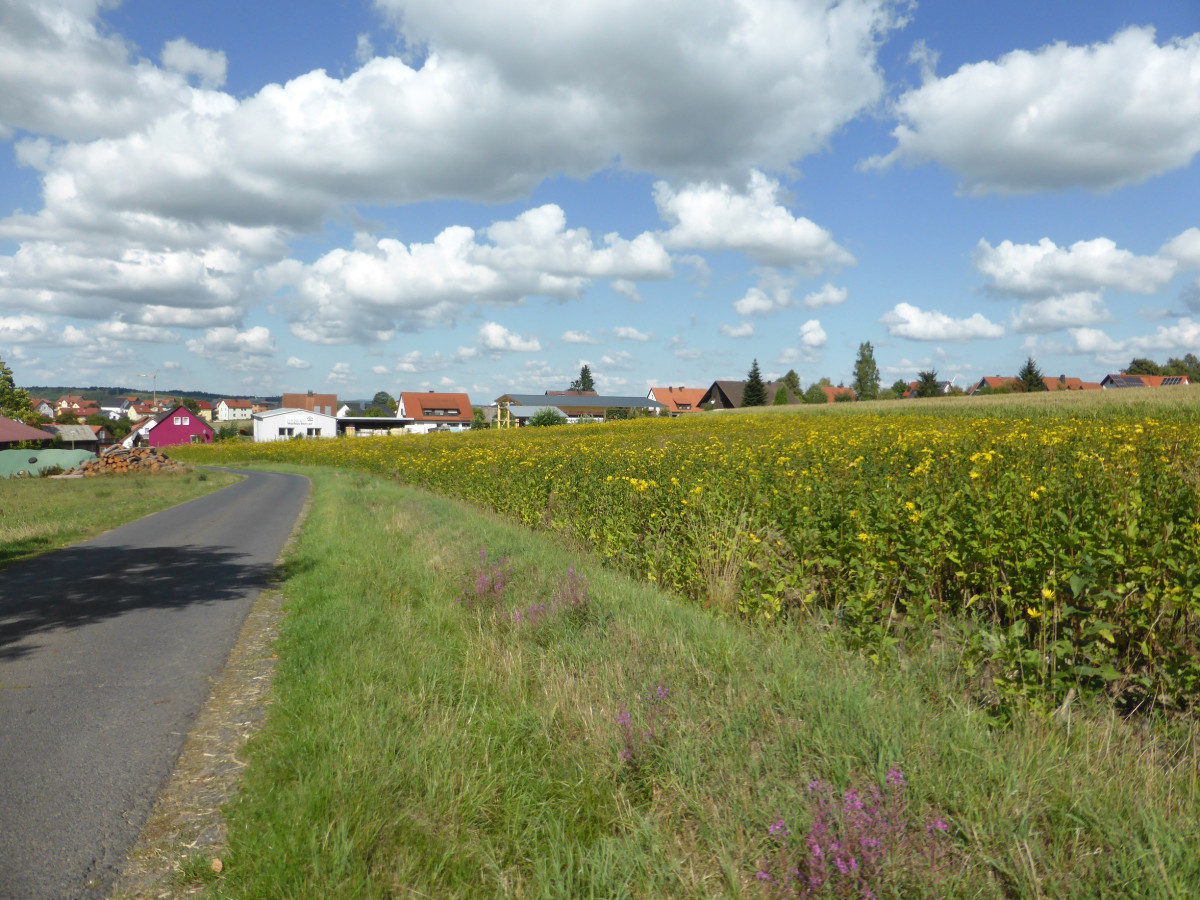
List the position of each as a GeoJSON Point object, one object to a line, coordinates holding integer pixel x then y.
{"type": "Point", "coordinates": [38, 515]}
{"type": "Point", "coordinates": [610, 742]}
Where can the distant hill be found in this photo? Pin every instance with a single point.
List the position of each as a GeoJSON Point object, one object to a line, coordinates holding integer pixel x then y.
{"type": "Point", "coordinates": [99, 392]}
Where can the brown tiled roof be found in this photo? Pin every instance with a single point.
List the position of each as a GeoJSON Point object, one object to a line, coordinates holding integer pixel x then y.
{"type": "Point", "coordinates": [832, 393]}
{"type": "Point", "coordinates": [310, 402]}
{"type": "Point", "coordinates": [416, 402]}
{"type": "Point", "coordinates": [671, 397]}
{"type": "Point", "coordinates": [237, 404]}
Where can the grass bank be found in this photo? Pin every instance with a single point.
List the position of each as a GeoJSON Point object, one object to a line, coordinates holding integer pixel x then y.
{"type": "Point", "coordinates": [426, 741]}
{"type": "Point", "coordinates": [38, 515]}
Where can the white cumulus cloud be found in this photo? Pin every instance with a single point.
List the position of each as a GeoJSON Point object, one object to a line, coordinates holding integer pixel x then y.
{"type": "Point", "coordinates": [1096, 117]}
{"type": "Point", "coordinates": [495, 337]}
{"type": "Point", "coordinates": [628, 333]}
{"type": "Point", "coordinates": [812, 335]}
{"type": "Point", "coordinates": [741, 330]}
{"type": "Point", "coordinates": [716, 216]}
{"type": "Point", "coordinates": [908, 321]}
{"type": "Point", "coordinates": [1046, 270]}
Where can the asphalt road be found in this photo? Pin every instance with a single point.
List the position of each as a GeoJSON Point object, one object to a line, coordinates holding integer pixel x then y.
{"type": "Point", "coordinates": [107, 652]}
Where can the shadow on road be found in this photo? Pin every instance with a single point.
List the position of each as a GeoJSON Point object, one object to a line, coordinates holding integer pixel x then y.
{"type": "Point", "coordinates": [82, 585]}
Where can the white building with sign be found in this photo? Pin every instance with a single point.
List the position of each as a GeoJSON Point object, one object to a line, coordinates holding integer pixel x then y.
{"type": "Point", "coordinates": [285, 424]}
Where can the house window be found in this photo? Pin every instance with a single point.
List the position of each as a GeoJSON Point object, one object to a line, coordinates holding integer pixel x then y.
{"type": "Point", "coordinates": [685, 405]}
{"type": "Point", "coordinates": [440, 412]}
{"type": "Point", "coordinates": [178, 420]}
{"type": "Point", "coordinates": [286, 432]}
{"type": "Point", "coordinates": [314, 432]}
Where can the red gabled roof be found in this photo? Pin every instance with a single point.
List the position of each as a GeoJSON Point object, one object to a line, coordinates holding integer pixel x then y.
{"type": "Point", "coordinates": [414, 404]}
{"type": "Point", "coordinates": [671, 397]}
{"type": "Point", "coordinates": [203, 404]}
{"type": "Point", "coordinates": [237, 404]}
{"type": "Point", "coordinates": [832, 393]}
{"type": "Point", "coordinates": [12, 430]}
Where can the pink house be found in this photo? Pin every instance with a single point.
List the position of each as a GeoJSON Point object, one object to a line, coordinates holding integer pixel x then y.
{"type": "Point", "coordinates": [179, 426]}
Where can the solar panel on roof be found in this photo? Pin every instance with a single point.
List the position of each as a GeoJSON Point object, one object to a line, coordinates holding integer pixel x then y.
{"type": "Point", "coordinates": [1172, 379]}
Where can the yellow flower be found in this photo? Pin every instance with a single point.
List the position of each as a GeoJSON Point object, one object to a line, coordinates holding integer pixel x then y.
{"type": "Point", "coordinates": [1047, 594]}
{"type": "Point", "coordinates": [1033, 613]}
{"type": "Point", "coordinates": [974, 475]}
{"type": "Point", "coordinates": [910, 506]}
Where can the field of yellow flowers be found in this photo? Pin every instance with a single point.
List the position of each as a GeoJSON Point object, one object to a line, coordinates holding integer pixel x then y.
{"type": "Point", "coordinates": [1064, 548]}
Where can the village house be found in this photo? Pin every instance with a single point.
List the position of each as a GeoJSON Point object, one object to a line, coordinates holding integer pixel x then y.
{"type": "Point", "coordinates": [178, 426]}
{"type": "Point", "coordinates": [677, 400]}
{"type": "Point", "coordinates": [1122, 380]}
{"type": "Point", "coordinates": [431, 411]}
{"type": "Point", "coordinates": [233, 411]}
{"type": "Point", "coordinates": [728, 394]}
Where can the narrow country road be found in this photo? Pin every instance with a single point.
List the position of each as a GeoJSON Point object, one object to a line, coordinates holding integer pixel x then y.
{"type": "Point", "coordinates": [107, 650]}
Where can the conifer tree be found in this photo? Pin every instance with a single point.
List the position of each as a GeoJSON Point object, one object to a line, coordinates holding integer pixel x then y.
{"type": "Point", "coordinates": [1029, 379]}
{"type": "Point", "coordinates": [755, 392]}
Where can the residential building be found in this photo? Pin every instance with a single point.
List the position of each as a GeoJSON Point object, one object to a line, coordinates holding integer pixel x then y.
{"type": "Point", "coordinates": [1122, 380]}
{"type": "Point", "coordinates": [678, 400]}
{"type": "Point", "coordinates": [832, 393]}
{"type": "Point", "coordinates": [204, 410]}
{"type": "Point", "coordinates": [115, 408]}
{"type": "Point", "coordinates": [178, 426]}
{"type": "Point", "coordinates": [728, 394]}
{"type": "Point", "coordinates": [431, 410]}
{"type": "Point", "coordinates": [326, 404]}
{"type": "Point", "coordinates": [233, 411]}
{"type": "Point", "coordinates": [75, 437]}
{"type": "Point", "coordinates": [43, 407]}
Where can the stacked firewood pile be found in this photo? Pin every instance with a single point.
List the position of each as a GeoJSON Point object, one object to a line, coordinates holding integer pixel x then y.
{"type": "Point", "coordinates": [116, 460]}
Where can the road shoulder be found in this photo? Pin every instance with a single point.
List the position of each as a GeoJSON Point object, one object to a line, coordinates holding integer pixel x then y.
{"type": "Point", "coordinates": [185, 833]}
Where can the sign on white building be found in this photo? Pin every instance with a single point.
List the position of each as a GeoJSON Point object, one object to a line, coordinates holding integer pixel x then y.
{"type": "Point", "coordinates": [285, 424]}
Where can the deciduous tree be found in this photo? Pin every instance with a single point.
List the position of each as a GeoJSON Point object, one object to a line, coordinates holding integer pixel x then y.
{"type": "Point", "coordinates": [866, 373]}
{"type": "Point", "coordinates": [928, 384]}
{"type": "Point", "coordinates": [14, 402]}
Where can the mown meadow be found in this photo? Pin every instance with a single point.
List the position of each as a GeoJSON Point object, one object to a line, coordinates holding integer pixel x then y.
{"type": "Point", "coordinates": [1057, 545]}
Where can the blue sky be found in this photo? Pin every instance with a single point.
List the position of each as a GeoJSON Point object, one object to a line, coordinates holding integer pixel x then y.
{"type": "Point", "coordinates": [448, 194]}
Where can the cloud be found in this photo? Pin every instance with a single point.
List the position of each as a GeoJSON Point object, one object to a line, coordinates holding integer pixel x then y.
{"type": "Point", "coordinates": [1182, 336]}
{"type": "Point", "coordinates": [627, 333]}
{"type": "Point", "coordinates": [364, 294]}
{"type": "Point", "coordinates": [908, 321]}
{"type": "Point", "coordinates": [618, 359]}
{"type": "Point", "coordinates": [1072, 310]}
{"type": "Point", "coordinates": [27, 330]}
{"type": "Point", "coordinates": [628, 290]}
{"type": "Point", "coordinates": [812, 335]}
{"type": "Point", "coordinates": [741, 330]}
{"type": "Point", "coordinates": [1046, 270]}
{"type": "Point", "coordinates": [124, 331]}
{"type": "Point", "coordinates": [680, 349]}
{"type": "Point", "coordinates": [1095, 117]}
{"type": "Point", "coordinates": [341, 374]}
{"type": "Point", "coordinates": [222, 343]}
{"type": "Point", "coordinates": [715, 217]}
{"type": "Point", "coordinates": [186, 58]}
{"type": "Point", "coordinates": [580, 337]}
{"type": "Point", "coordinates": [176, 196]}
{"type": "Point", "coordinates": [495, 337]}
{"type": "Point", "coordinates": [295, 362]}
{"type": "Point", "coordinates": [828, 295]}
{"type": "Point", "coordinates": [709, 87]}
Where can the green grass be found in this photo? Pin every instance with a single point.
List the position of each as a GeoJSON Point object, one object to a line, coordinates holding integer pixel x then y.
{"type": "Point", "coordinates": [38, 515]}
{"type": "Point", "coordinates": [418, 748]}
